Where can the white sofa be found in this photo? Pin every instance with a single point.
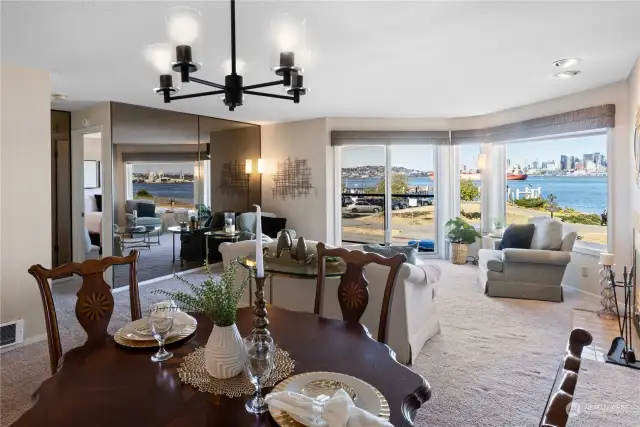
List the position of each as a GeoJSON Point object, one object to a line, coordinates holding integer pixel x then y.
{"type": "Point", "coordinates": [413, 316]}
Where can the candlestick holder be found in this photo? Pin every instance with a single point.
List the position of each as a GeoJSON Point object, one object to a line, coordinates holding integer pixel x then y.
{"type": "Point", "coordinates": [260, 322]}
{"type": "Point", "coordinates": [608, 295]}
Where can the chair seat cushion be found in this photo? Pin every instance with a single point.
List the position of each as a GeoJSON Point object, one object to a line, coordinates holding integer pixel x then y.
{"type": "Point", "coordinates": [491, 260]}
{"type": "Point", "coordinates": [517, 236]}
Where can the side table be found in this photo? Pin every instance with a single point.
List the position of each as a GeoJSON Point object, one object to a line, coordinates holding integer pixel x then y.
{"type": "Point", "coordinates": [219, 236]}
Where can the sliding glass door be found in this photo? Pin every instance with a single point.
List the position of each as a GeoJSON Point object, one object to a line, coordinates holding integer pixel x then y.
{"type": "Point", "coordinates": [387, 195]}
{"type": "Point", "coordinates": [362, 192]}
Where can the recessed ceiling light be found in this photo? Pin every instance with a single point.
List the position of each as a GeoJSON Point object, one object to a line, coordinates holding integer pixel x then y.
{"type": "Point", "coordinates": [566, 62]}
{"type": "Point", "coordinates": [58, 97]}
{"type": "Point", "coordinates": [566, 74]}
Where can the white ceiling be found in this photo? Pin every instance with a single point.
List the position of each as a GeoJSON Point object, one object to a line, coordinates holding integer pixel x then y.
{"type": "Point", "coordinates": [371, 59]}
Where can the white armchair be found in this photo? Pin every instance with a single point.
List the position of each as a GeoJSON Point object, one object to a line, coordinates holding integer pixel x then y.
{"type": "Point", "coordinates": [413, 317]}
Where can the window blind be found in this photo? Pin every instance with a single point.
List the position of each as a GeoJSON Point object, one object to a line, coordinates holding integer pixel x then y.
{"type": "Point", "coordinates": [586, 119]}
{"type": "Point", "coordinates": [341, 138]}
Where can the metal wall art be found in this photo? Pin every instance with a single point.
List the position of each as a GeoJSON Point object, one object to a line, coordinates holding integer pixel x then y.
{"type": "Point", "coordinates": [233, 178]}
{"type": "Point", "coordinates": [292, 179]}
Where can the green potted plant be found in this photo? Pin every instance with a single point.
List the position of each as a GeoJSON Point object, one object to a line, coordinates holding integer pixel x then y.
{"type": "Point", "coordinates": [498, 228]}
{"type": "Point", "coordinates": [460, 234]}
{"type": "Point", "coordinates": [218, 299]}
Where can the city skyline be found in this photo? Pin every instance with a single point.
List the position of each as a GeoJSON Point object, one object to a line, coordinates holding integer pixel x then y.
{"type": "Point", "coordinates": [422, 157]}
{"type": "Point", "coordinates": [171, 168]}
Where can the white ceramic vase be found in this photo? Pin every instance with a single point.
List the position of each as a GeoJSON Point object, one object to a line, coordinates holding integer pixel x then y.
{"type": "Point", "coordinates": [224, 353]}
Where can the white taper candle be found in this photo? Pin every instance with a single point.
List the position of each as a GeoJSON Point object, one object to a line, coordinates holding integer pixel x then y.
{"type": "Point", "coordinates": [259, 257]}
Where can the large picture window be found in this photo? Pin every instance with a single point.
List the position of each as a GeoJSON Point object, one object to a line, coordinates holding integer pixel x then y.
{"type": "Point", "coordinates": [563, 178]}
{"type": "Point", "coordinates": [169, 184]}
{"type": "Point", "coordinates": [401, 211]}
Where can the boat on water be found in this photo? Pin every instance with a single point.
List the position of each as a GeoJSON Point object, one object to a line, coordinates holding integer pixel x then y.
{"type": "Point", "coordinates": [517, 176]}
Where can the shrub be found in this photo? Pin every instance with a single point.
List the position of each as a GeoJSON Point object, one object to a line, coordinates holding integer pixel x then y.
{"type": "Point", "coordinates": [470, 215]}
{"type": "Point", "coordinates": [535, 203]}
{"type": "Point", "coordinates": [468, 191]}
{"type": "Point", "coordinates": [143, 194]}
{"type": "Point", "coordinates": [579, 218]}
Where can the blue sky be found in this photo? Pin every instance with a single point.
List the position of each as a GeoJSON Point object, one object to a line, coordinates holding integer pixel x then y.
{"type": "Point", "coordinates": [422, 158]}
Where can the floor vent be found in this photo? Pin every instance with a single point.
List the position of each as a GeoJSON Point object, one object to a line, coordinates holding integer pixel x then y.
{"type": "Point", "coordinates": [11, 333]}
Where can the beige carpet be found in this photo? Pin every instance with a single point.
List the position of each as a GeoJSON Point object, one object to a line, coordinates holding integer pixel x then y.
{"type": "Point", "coordinates": [492, 366]}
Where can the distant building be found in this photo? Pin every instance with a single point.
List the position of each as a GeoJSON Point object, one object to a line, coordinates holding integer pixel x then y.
{"type": "Point", "coordinates": [564, 163]}
{"type": "Point", "coordinates": [535, 165]}
{"type": "Point", "coordinates": [579, 166]}
{"type": "Point", "coordinates": [587, 158]}
{"type": "Point", "coordinates": [590, 166]}
{"type": "Point", "coordinates": [508, 162]}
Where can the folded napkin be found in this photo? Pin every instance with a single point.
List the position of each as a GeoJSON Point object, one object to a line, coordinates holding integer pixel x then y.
{"type": "Point", "coordinates": [338, 411]}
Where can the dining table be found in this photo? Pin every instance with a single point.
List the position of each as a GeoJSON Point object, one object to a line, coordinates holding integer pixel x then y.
{"type": "Point", "coordinates": [105, 384]}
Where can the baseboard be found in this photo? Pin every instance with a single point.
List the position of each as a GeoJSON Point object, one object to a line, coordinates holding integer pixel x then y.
{"type": "Point", "coordinates": [592, 295]}
{"type": "Point", "coordinates": [24, 343]}
{"type": "Point", "coordinates": [159, 279]}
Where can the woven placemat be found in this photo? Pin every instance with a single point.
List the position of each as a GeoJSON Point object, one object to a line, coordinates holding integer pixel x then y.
{"type": "Point", "coordinates": [192, 371]}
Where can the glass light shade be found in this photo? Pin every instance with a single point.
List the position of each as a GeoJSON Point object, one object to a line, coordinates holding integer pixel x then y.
{"type": "Point", "coordinates": [240, 66]}
{"type": "Point", "coordinates": [184, 27]}
{"type": "Point", "coordinates": [160, 55]}
{"type": "Point", "coordinates": [248, 166]}
{"type": "Point", "coordinates": [288, 35]}
{"type": "Point", "coordinates": [260, 165]}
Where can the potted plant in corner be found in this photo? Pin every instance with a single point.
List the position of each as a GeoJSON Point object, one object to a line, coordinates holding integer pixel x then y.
{"type": "Point", "coordinates": [460, 234]}
{"type": "Point", "coordinates": [218, 299]}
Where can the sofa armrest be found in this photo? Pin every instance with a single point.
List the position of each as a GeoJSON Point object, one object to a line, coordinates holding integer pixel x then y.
{"type": "Point", "coordinates": [535, 256]}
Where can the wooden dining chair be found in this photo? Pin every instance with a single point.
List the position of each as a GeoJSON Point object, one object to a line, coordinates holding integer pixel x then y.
{"type": "Point", "coordinates": [556, 411]}
{"type": "Point", "coordinates": [94, 306]}
{"type": "Point", "coordinates": [353, 290]}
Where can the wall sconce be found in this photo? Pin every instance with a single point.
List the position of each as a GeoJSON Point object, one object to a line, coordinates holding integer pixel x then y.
{"type": "Point", "coordinates": [482, 161]}
{"type": "Point", "coordinates": [260, 166]}
{"type": "Point", "coordinates": [248, 166]}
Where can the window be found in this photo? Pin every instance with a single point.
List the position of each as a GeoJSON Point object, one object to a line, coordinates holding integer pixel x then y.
{"type": "Point", "coordinates": [402, 212]}
{"type": "Point", "coordinates": [363, 171]}
{"type": "Point", "coordinates": [563, 178]}
{"type": "Point", "coordinates": [470, 183]}
{"type": "Point", "coordinates": [166, 183]}
{"type": "Point", "coordinates": [413, 210]}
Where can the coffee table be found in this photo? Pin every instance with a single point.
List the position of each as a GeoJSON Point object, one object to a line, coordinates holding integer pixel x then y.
{"type": "Point", "coordinates": [144, 242]}
{"type": "Point", "coordinates": [176, 229]}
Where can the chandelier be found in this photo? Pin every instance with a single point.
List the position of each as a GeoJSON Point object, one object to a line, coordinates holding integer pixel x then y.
{"type": "Point", "coordinates": [184, 25]}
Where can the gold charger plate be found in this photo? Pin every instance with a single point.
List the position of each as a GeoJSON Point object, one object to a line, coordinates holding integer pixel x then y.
{"type": "Point", "coordinates": [123, 341]}
{"type": "Point", "coordinates": [284, 420]}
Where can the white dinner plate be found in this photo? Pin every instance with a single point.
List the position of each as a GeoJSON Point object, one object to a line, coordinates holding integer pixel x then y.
{"type": "Point", "coordinates": [369, 399]}
{"type": "Point", "coordinates": [137, 330]}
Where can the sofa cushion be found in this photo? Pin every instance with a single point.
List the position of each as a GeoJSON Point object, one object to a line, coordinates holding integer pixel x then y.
{"type": "Point", "coordinates": [547, 235]}
{"type": "Point", "coordinates": [517, 236]}
{"type": "Point", "coordinates": [491, 260]}
{"type": "Point", "coordinates": [271, 226]}
{"type": "Point", "coordinates": [146, 209]}
{"type": "Point", "coordinates": [410, 252]}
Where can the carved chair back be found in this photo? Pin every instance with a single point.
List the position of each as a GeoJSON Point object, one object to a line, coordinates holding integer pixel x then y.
{"type": "Point", "coordinates": [556, 412]}
{"type": "Point", "coordinates": [353, 290]}
{"type": "Point", "coordinates": [94, 306]}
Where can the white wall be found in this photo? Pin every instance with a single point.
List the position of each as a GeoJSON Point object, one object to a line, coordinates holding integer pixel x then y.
{"type": "Point", "coordinates": [89, 118]}
{"type": "Point", "coordinates": [25, 176]}
{"type": "Point", "coordinates": [310, 216]}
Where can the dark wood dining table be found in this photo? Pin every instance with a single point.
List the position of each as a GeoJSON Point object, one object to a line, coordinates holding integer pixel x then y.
{"type": "Point", "coordinates": [104, 384]}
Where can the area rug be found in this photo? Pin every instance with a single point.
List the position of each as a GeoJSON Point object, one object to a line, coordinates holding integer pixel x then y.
{"type": "Point", "coordinates": [492, 366]}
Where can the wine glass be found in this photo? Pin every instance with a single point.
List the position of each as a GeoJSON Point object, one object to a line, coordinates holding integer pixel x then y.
{"type": "Point", "coordinates": [161, 321]}
{"type": "Point", "coordinates": [260, 360]}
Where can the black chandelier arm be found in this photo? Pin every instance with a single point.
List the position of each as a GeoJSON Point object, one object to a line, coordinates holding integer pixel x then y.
{"type": "Point", "coordinates": [268, 95]}
{"type": "Point", "coordinates": [273, 83]}
{"type": "Point", "coordinates": [197, 95]}
{"type": "Point", "coordinates": [206, 83]}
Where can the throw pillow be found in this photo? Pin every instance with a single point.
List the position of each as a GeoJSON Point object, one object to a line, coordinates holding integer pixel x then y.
{"type": "Point", "coordinates": [411, 252]}
{"type": "Point", "coordinates": [548, 234]}
{"type": "Point", "coordinates": [98, 198]}
{"type": "Point", "coordinates": [517, 236]}
{"type": "Point", "coordinates": [271, 226]}
{"type": "Point", "coordinates": [146, 210]}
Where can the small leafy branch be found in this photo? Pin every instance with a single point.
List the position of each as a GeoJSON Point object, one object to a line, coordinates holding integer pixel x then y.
{"type": "Point", "coordinates": [217, 298]}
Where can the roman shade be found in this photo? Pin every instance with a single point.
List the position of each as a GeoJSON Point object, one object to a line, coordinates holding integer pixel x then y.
{"type": "Point", "coordinates": [586, 119]}
{"type": "Point", "coordinates": [340, 138]}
